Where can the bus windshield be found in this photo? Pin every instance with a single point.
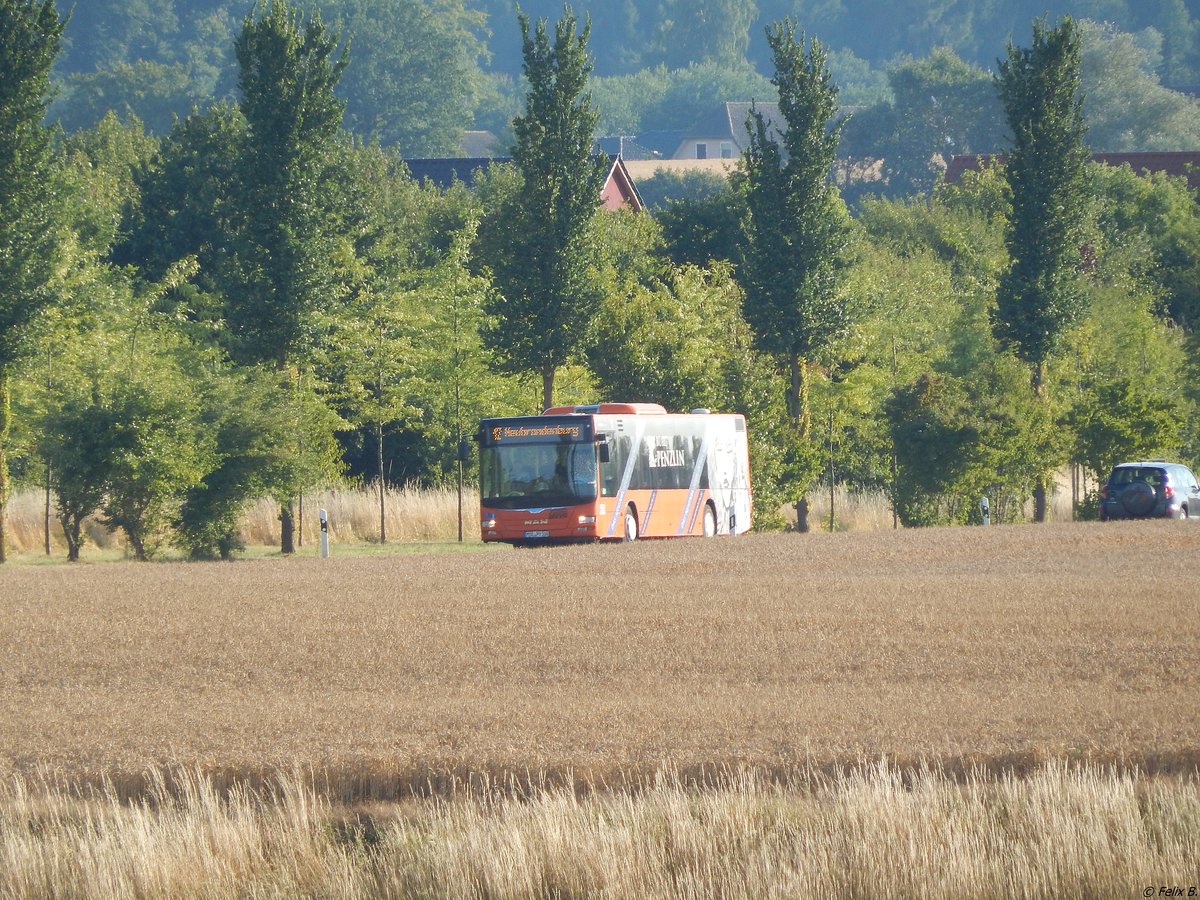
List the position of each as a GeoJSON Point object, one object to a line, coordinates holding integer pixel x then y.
{"type": "Point", "coordinates": [536, 475]}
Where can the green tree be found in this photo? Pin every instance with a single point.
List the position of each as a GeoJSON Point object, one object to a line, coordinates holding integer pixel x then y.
{"type": "Point", "coordinates": [370, 350]}
{"type": "Point", "coordinates": [30, 36]}
{"type": "Point", "coordinates": [100, 169]}
{"type": "Point", "coordinates": [187, 208]}
{"type": "Point", "coordinates": [959, 438]}
{"type": "Point", "coordinates": [703, 222]}
{"type": "Point", "coordinates": [72, 439]}
{"type": "Point", "coordinates": [1039, 297]}
{"type": "Point", "coordinates": [240, 412]}
{"type": "Point", "coordinates": [942, 106]}
{"type": "Point", "coordinates": [1119, 420]}
{"type": "Point", "coordinates": [155, 92]}
{"type": "Point", "coordinates": [288, 72]}
{"type": "Point", "coordinates": [704, 31]}
{"type": "Point", "coordinates": [154, 451]}
{"type": "Point", "coordinates": [1124, 104]}
{"type": "Point", "coordinates": [1152, 222]}
{"type": "Point", "coordinates": [285, 246]}
{"type": "Point", "coordinates": [797, 233]}
{"type": "Point", "coordinates": [104, 33]}
{"type": "Point", "coordinates": [661, 336]}
{"type": "Point", "coordinates": [537, 243]}
{"type": "Point", "coordinates": [414, 80]}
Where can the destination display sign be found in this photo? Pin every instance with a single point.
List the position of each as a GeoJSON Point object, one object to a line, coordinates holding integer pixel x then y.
{"type": "Point", "coordinates": [536, 430]}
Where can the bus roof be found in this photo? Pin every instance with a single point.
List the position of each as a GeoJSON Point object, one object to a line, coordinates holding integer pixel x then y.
{"type": "Point", "coordinates": [609, 409]}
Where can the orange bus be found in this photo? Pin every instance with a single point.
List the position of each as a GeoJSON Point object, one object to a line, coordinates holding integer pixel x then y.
{"type": "Point", "coordinates": [612, 471]}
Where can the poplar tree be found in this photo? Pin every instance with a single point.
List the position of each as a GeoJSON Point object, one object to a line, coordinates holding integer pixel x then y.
{"type": "Point", "coordinates": [285, 247]}
{"type": "Point", "coordinates": [1039, 297]}
{"type": "Point", "coordinates": [30, 37]}
{"type": "Point", "coordinates": [538, 245]}
{"type": "Point", "coordinates": [288, 68]}
{"type": "Point", "coordinates": [797, 231]}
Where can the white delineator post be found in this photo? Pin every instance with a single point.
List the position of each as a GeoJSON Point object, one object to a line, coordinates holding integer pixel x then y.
{"type": "Point", "coordinates": [324, 534]}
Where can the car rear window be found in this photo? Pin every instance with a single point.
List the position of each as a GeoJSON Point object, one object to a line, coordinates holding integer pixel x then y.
{"type": "Point", "coordinates": [1132, 474]}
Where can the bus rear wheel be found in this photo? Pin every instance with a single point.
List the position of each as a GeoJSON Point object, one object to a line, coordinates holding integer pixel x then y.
{"type": "Point", "coordinates": [631, 525]}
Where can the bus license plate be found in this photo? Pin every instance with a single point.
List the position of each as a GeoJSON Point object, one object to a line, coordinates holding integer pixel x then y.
{"type": "Point", "coordinates": [537, 534]}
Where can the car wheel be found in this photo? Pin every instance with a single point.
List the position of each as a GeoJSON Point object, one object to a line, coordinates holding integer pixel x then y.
{"type": "Point", "coordinates": [1183, 512]}
{"type": "Point", "coordinates": [631, 526]}
{"type": "Point", "coordinates": [710, 522]}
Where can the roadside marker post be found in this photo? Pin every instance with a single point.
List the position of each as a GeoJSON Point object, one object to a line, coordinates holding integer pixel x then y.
{"type": "Point", "coordinates": [986, 510]}
{"type": "Point", "coordinates": [324, 534]}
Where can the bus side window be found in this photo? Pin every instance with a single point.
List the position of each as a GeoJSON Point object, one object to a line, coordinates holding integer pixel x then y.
{"type": "Point", "coordinates": [611, 471]}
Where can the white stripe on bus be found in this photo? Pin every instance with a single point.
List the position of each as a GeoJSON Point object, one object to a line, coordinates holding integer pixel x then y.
{"type": "Point", "coordinates": [626, 477]}
{"type": "Point", "coordinates": [697, 471]}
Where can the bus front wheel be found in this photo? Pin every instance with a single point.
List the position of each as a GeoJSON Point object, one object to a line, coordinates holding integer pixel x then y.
{"type": "Point", "coordinates": [710, 521]}
{"type": "Point", "coordinates": [631, 525]}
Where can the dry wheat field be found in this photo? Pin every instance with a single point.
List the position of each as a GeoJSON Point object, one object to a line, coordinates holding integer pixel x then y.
{"type": "Point", "coordinates": [1008, 710]}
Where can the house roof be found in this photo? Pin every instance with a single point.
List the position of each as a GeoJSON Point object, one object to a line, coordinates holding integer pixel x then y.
{"type": "Point", "coordinates": [618, 190]}
{"type": "Point", "coordinates": [625, 147]}
{"type": "Point", "coordinates": [728, 121]}
{"type": "Point", "coordinates": [444, 171]}
{"type": "Point", "coordinates": [1185, 163]}
{"type": "Point", "coordinates": [661, 143]}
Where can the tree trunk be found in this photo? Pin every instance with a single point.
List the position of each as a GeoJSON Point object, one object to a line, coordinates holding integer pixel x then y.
{"type": "Point", "coordinates": [287, 529]}
{"type": "Point", "coordinates": [72, 528]}
{"type": "Point", "coordinates": [802, 523]}
{"type": "Point", "coordinates": [382, 490]}
{"type": "Point", "coordinates": [1039, 500]}
{"type": "Point", "coordinates": [48, 510]}
{"type": "Point", "coordinates": [797, 401]}
{"type": "Point", "coordinates": [138, 545]}
{"type": "Point", "coordinates": [1039, 488]}
{"type": "Point", "coordinates": [5, 428]}
{"type": "Point", "coordinates": [547, 387]}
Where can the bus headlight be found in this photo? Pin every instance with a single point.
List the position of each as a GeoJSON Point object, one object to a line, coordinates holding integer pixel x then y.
{"type": "Point", "coordinates": [587, 520]}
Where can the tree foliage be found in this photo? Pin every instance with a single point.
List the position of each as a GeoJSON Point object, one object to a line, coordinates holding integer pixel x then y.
{"type": "Point", "coordinates": [30, 34]}
{"type": "Point", "coordinates": [1039, 297]}
{"type": "Point", "coordinates": [1125, 105]}
{"type": "Point", "coordinates": [537, 242]}
{"type": "Point", "coordinates": [289, 69]}
{"type": "Point", "coordinates": [797, 231]}
{"type": "Point", "coordinates": [960, 438]}
{"type": "Point", "coordinates": [414, 79]}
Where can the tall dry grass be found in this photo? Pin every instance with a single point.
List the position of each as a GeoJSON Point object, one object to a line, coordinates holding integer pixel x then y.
{"type": "Point", "coordinates": [428, 514]}
{"type": "Point", "coordinates": [872, 510]}
{"type": "Point", "coordinates": [411, 514]}
{"type": "Point", "coordinates": [870, 832]}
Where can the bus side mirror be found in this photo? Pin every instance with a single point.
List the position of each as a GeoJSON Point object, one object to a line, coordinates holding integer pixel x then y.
{"type": "Point", "coordinates": [464, 451]}
{"type": "Point", "coordinates": [602, 448]}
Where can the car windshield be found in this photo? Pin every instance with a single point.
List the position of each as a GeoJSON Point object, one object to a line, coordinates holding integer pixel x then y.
{"type": "Point", "coordinates": [1152, 476]}
{"type": "Point", "coordinates": [533, 476]}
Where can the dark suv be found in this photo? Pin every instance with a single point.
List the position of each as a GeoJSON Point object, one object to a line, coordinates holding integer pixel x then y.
{"type": "Point", "coordinates": [1150, 489]}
